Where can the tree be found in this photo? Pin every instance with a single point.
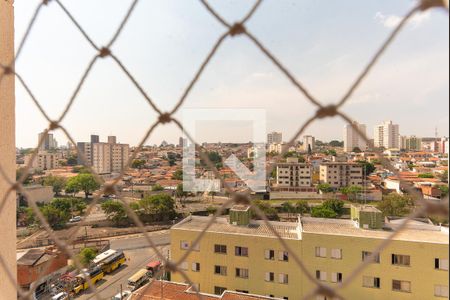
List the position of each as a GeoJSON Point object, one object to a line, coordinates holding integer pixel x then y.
{"type": "Point", "coordinates": [19, 174]}
{"type": "Point", "coordinates": [83, 182]}
{"type": "Point", "coordinates": [352, 192]}
{"type": "Point", "coordinates": [444, 176]}
{"type": "Point", "coordinates": [426, 175]}
{"type": "Point", "coordinates": [211, 210]}
{"type": "Point", "coordinates": [302, 207]}
{"type": "Point", "coordinates": [357, 150]}
{"type": "Point", "coordinates": [396, 205]}
{"type": "Point", "coordinates": [368, 168]}
{"type": "Point", "coordinates": [335, 143]}
{"type": "Point", "coordinates": [57, 183]}
{"type": "Point", "coordinates": [55, 217]}
{"type": "Point", "coordinates": [335, 205]}
{"type": "Point", "coordinates": [325, 188]}
{"type": "Point", "coordinates": [161, 206]}
{"type": "Point", "coordinates": [180, 193]}
{"type": "Point", "coordinates": [81, 170]}
{"type": "Point", "coordinates": [157, 188]}
{"type": "Point", "coordinates": [178, 175]}
{"type": "Point", "coordinates": [138, 164]}
{"type": "Point", "coordinates": [270, 212]}
{"type": "Point", "coordinates": [115, 211]}
{"type": "Point", "coordinates": [444, 190]}
{"type": "Point", "coordinates": [72, 160]}
{"type": "Point", "coordinates": [331, 152]}
{"type": "Point", "coordinates": [288, 208]}
{"type": "Point", "coordinates": [323, 212]}
{"type": "Point", "coordinates": [86, 256]}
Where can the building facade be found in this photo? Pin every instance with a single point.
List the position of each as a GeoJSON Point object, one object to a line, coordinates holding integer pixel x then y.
{"type": "Point", "coordinates": [48, 142]}
{"type": "Point", "coordinates": [341, 174]}
{"type": "Point", "coordinates": [413, 143]}
{"type": "Point", "coordinates": [309, 142]}
{"type": "Point", "coordinates": [275, 138]}
{"type": "Point", "coordinates": [293, 174]}
{"type": "Point", "coordinates": [352, 139]}
{"type": "Point", "coordinates": [44, 160]}
{"type": "Point", "coordinates": [250, 259]}
{"type": "Point", "coordinates": [387, 135]}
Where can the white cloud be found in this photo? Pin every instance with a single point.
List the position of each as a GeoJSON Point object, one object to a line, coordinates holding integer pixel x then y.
{"type": "Point", "coordinates": [391, 21]}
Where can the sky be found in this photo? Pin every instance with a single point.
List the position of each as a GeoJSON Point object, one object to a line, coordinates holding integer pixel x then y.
{"type": "Point", "coordinates": [325, 44]}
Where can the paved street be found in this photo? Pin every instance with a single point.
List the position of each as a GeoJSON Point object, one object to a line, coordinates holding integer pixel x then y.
{"type": "Point", "coordinates": [138, 255]}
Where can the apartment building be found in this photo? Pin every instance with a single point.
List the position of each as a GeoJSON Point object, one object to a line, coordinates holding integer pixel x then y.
{"type": "Point", "coordinates": [413, 143]}
{"type": "Point", "coordinates": [341, 174]}
{"type": "Point", "coordinates": [352, 139]}
{"type": "Point", "coordinates": [387, 135]}
{"type": "Point", "coordinates": [309, 142]}
{"type": "Point", "coordinates": [275, 138]}
{"type": "Point", "coordinates": [44, 160]}
{"type": "Point", "coordinates": [109, 158]}
{"type": "Point", "coordinates": [105, 158]}
{"type": "Point", "coordinates": [293, 174]}
{"type": "Point", "coordinates": [275, 148]}
{"type": "Point", "coordinates": [48, 142]}
{"type": "Point", "coordinates": [245, 256]}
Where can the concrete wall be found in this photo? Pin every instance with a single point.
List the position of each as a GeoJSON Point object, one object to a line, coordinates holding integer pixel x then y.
{"type": "Point", "coordinates": [7, 149]}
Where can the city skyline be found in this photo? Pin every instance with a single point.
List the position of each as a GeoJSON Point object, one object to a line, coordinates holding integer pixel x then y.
{"type": "Point", "coordinates": [239, 76]}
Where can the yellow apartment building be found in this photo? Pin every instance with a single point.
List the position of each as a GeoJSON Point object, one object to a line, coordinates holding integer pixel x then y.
{"type": "Point", "coordinates": [243, 255]}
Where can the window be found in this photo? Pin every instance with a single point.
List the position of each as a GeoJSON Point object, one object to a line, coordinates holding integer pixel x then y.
{"type": "Point", "coordinates": [270, 277]}
{"type": "Point", "coordinates": [401, 286]}
{"type": "Point", "coordinates": [241, 251]}
{"type": "Point", "coordinates": [220, 270]}
{"type": "Point", "coordinates": [320, 275]}
{"type": "Point", "coordinates": [221, 249]}
{"type": "Point", "coordinates": [336, 277]}
{"type": "Point", "coordinates": [283, 278]}
{"type": "Point", "coordinates": [441, 264]}
{"type": "Point", "coordinates": [321, 252]}
{"type": "Point", "coordinates": [336, 253]}
{"type": "Point", "coordinates": [366, 256]}
{"type": "Point", "coordinates": [441, 291]}
{"type": "Point", "coordinates": [401, 260]}
{"type": "Point", "coordinates": [184, 245]}
{"type": "Point", "coordinates": [219, 290]}
{"type": "Point", "coordinates": [195, 267]}
{"type": "Point", "coordinates": [283, 256]}
{"type": "Point", "coordinates": [269, 254]}
{"type": "Point", "coordinates": [242, 273]}
{"type": "Point", "coordinates": [371, 282]}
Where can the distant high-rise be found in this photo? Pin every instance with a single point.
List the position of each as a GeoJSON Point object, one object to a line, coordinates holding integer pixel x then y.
{"type": "Point", "coordinates": [95, 139]}
{"type": "Point", "coordinates": [275, 138]}
{"type": "Point", "coordinates": [309, 142]}
{"type": "Point", "coordinates": [104, 158]}
{"type": "Point", "coordinates": [112, 140]}
{"type": "Point", "coordinates": [413, 143]}
{"type": "Point", "coordinates": [48, 142]}
{"type": "Point", "coordinates": [352, 139]}
{"type": "Point", "coordinates": [387, 135]}
{"type": "Point", "coordinates": [182, 142]}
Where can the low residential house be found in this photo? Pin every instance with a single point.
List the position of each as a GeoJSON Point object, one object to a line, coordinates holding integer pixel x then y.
{"type": "Point", "coordinates": [38, 267]}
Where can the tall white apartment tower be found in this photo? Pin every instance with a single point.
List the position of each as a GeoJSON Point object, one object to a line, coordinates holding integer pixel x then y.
{"type": "Point", "coordinates": [309, 142]}
{"type": "Point", "coordinates": [275, 138]}
{"type": "Point", "coordinates": [352, 139]}
{"type": "Point", "coordinates": [387, 135]}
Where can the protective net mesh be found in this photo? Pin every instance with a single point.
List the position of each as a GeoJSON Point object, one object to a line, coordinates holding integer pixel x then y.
{"type": "Point", "coordinates": [238, 28]}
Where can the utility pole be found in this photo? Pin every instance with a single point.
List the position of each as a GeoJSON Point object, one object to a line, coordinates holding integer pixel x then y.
{"type": "Point", "coordinates": [121, 292]}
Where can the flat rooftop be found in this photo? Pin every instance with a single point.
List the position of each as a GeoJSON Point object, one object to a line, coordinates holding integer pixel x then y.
{"type": "Point", "coordinates": [415, 232]}
{"type": "Point", "coordinates": [287, 230]}
{"type": "Point", "coordinates": [348, 228]}
{"type": "Point", "coordinates": [177, 291]}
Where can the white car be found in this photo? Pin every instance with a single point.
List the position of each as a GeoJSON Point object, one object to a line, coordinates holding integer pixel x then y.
{"type": "Point", "coordinates": [124, 296]}
{"type": "Point", "coordinates": [61, 296]}
{"type": "Point", "coordinates": [75, 219]}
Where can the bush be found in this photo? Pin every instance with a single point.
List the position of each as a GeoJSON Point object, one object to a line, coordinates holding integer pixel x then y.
{"type": "Point", "coordinates": [323, 212]}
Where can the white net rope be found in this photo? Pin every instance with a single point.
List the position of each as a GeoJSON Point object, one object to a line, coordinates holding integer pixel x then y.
{"type": "Point", "coordinates": [232, 30]}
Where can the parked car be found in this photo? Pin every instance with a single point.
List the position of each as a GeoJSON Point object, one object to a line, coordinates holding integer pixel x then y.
{"type": "Point", "coordinates": [75, 219]}
{"type": "Point", "coordinates": [124, 295]}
